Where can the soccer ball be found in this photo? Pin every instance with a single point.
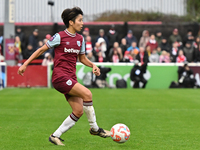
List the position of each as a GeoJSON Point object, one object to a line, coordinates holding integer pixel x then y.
{"type": "Point", "coordinates": [120, 133]}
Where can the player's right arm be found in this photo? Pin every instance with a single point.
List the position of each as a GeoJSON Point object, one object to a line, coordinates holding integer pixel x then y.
{"type": "Point", "coordinates": [52, 42]}
{"type": "Point", "coordinates": [36, 54]}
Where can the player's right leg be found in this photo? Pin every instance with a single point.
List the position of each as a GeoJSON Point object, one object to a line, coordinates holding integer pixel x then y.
{"type": "Point", "coordinates": [83, 92]}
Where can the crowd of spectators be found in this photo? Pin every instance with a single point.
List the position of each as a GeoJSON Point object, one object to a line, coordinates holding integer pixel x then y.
{"type": "Point", "coordinates": [151, 48]}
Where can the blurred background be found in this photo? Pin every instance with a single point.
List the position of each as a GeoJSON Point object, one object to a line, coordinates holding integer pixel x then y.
{"type": "Point", "coordinates": [115, 31]}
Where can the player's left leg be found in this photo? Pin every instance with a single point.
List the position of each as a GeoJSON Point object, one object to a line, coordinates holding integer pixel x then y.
{"type": "Point", "coordinates": [76, 104]}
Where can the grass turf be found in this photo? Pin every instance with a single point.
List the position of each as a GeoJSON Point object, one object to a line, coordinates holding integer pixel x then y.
{"type": "Point", "coordinates": [158, 119]}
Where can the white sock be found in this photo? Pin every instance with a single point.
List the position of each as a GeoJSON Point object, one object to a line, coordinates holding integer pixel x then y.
{"type": "Point", "coordinates": [89, 111]}
{"type": "Point", "coordinates": [66, 125]}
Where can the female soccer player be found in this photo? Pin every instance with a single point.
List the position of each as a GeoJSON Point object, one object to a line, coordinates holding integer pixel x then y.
{"type": "Point", "coordinates": [68, 45]}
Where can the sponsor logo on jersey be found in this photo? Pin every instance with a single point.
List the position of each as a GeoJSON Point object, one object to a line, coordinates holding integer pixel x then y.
{"type": "Point", "coordinates": [71, 50]}
{"type": "Point", "coordinates": [79, 43]}
{"type": "Point", "coordinates": [69, 82]}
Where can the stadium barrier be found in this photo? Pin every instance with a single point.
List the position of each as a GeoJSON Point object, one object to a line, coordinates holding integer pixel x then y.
{"type": "Point", "coordinates": [35, 76]}
{"type": "Point", "coordinates": [159, 75]}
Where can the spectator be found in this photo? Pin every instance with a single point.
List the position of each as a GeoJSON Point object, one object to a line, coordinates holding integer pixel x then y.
{"type": "Point", "coordinates": [197, 50]}
{"type": "Point", "coordinates": [142, 56]}
{"type": "Point", "coordinates": [189, 37]}
{"type": "Point", "coordinates": [159, 50]}
{"type": "Point", "coordinates": [112, 36]}
{"type": "Point", "coordinates": [102, 35]}
{"type": "Point", "coordinates": [117, 55]}
{"type": "Point", "coordinates": [28, 51]}
{"type": "Point", "coordinates": [154, 57]}
{"type": "Point", "coordinates": [1, 56]}
{"type": "Point", "coordinates": [115, 46]}
{"type": "Point", "coordinates": [130, 38]}
{"type": "Point", "coordinates": [174, 52]}
{"type": "Point", "coordinates": [175, 37]}
{"type": "Point", "coordinates": [48, 36]}
{"type": "Point", "coordinates": [164, 45]}
{"type": "Point", "coordinates": [133, 47]}
{"type": "Point", "coordinates": [144, 39]}
{"type": "Point", "coordinates": [148, 50]}
{"type": "Point", "coordinates": [152, 43]}
{"type": "Point", "coordinates": [186, 77]}
{"type": "Point", "coordinates": [128, 57]}
{"type": "Point", "coordinates": [137, 73]}
{"type": "Point", "coordinates": [181, 58]}
{"type": "Point", "coordinates": [159, 37]}
{"type": "Point", "coordinates": [18, 51]}
{"type": "Point", "coordinates": [47, 59]}
{"type": "Point", "coordinates": [90, 56]}
{"type": "Point", "coordinates": [189, 52]}
{"type": "Point", "coordinates": [103, 46]}
{"type": "Point", "coordinates": [88, 44]}
{"type": "Point", "coordinates": [164, 57]}
{"type": "Point", "coordinates": [96, 50]}
{"type": "Point", "coordinates": [100, 57]}
{"type": "Point", "coordinates": [123, 45]}
{"type": "Point", "coordinates": [22, 37]}
{"type": "Point", "coordinates": [33, 39]}
{"type": "Point", "coordinates": [86, 32]}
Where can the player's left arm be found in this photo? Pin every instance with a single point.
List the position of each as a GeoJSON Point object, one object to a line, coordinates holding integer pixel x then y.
{"type": "Point", "coordinates": [83, 59]}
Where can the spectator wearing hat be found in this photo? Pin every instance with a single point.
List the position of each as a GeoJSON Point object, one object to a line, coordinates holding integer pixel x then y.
{"type": "Point", "coordinates": [102, 35]}
{"type": "Point", "coordinates": [130, 38]}
{"type": "Point", "coordinates": [86, 32]}
{"type": "Point", "coordinates": [112, 36]}
{"type": "Point", "coordinates": [22, 37]}
{"type": "Point", "coordinates": [189, 37]}
{"type": "Point", "coordinates": [88, 44]}
{"type": "Point", "coordinates": [33, 39]}
{"type": "Point", "coordinates": [158, 37]}
{"type": "Point", "coordinates": [164, 45]}
{"type": "Point", "coordinates": [137, 74]}
{"type": "Point", "coordinates": [144, 39]}
{"type": "Point", "coordinates": [175, 37]}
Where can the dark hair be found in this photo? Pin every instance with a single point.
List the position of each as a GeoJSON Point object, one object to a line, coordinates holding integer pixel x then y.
{"type": "Point", "coordinates": [70, 14]}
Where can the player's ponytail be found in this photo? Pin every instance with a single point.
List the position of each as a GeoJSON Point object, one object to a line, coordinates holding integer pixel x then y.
{"type": "Point", "coordinates": [70, 14]}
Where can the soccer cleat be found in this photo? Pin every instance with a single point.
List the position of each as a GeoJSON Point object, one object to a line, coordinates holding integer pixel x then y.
{"type": "Point", "coordinates": [101, 132]}
{"type": "Point", "coordinates": [56, 140]}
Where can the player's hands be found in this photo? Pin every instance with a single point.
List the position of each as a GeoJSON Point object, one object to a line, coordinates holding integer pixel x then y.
{"type": "Point", "coordinates": [96, 70]}
{"type": "Point", "coordinates": [21, 70]}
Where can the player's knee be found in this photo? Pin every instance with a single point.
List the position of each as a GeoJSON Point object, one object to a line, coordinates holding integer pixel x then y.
{"type": "Point", "coordinates": [88, 95]}
{"type": "Point", "coordinates": [78, 113]}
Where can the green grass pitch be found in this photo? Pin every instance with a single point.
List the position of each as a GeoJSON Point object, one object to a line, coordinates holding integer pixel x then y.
{"type": "Point", "coordinates": [158, 119]}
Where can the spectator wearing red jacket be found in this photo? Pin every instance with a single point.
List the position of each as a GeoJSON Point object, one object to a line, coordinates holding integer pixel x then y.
{"type": "Point", "coordinates": [152, 43]}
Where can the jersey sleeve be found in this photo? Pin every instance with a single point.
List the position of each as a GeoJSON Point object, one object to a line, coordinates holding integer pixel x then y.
{"type": "Point", "coordinates": [82, 51]}
{"type": "Point", "coordinates": [54, 41]}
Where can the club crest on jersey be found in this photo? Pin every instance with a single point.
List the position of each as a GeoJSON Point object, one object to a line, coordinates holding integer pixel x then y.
{"type": "Point", "coordinates": [79, 43]}
{"type": "Point", "coordinates": [67, 43]}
